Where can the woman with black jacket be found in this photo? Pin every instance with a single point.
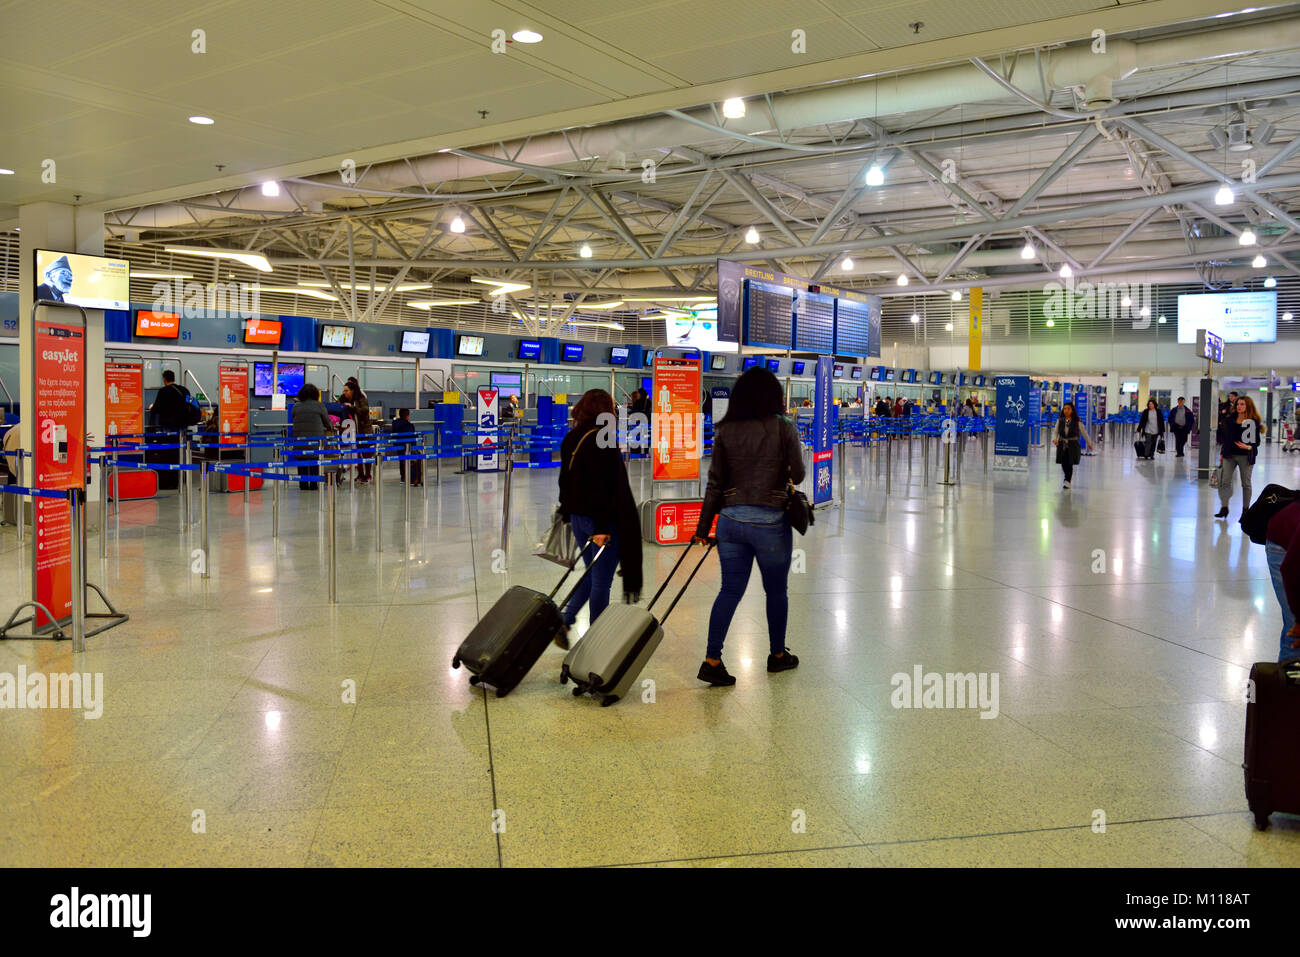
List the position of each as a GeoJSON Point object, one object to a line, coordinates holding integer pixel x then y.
{"type": "Point", "coordinates": [756, 455]}
{"type": "Point", "coordinates": [1069, 448]}
{"type": "Point", "coordinates": [1150, 429]}
{"type": "Point", "coordinates": [596, 500]}
{"type": "Point", "coordinates": [1238, 443]}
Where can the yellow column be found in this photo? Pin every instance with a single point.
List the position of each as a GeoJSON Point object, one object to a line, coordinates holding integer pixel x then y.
{"type": "Point", "coordinates": [976, 329]}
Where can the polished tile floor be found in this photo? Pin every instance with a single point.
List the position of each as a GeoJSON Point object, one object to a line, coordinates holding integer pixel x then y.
{"type": "Point", "coordinates": [248, 721]}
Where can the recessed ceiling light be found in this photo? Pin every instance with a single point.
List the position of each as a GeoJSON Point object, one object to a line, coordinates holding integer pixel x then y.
{"type": "Point", "coordinates": [271, 188]}
{"type": "Point", "coordinates": [1247, 237]}
{"type": "Point", "coordinates": [1223, 197]}
{"type": "Point", "coordinates": [751, 236]}
{"type": "Point", "coordinates": [1286, 317]}
{"type": "Point", "coordinates": [526, 36]}
{"type": "Point", "coordinates": [947, 327]}
{"type": "Point", "coordinates": [875, 176]}
{"type": "Point", "coordinates": [846, 264]}
{"type": "Point", "coordinates": [1162, 319]}
{"type": "Point", "coordinates": [202, 120]}
{"type": "Point", "coordinates": [734, 108]}
{"type": "Point", "coordinates": [1125, 302]}
{"type": "Point", "coordinates": [1144, 311]}
{"type": "Point", "coordinates": [6, 172]}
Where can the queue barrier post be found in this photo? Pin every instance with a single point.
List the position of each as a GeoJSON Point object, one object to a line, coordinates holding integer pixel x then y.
{"type": "Point", "coordinates": [248, 474]}
{"type": "Point", "coordinates": [331, 484]}
{"type": "Point", "coordinates": [275, 508]}
{"type": "Point", "coordinates": [925, 459]}
{"type": "Point", "coordinates": [77, 516]}
{"type": "Point", "coordinates": [22, 505]}
{"type": "Point", "coordinates": [889, 464]}
{"type": "Point", "coordinates": [105, 484]}
{"type": "Point", "coordinates": [379, 498]}
{"type": "Point", "coordinates": [505, 511]}
{"type": "Point", "coordinates": [984, 442]}
{"type": "Point", "coordinates": [409, 468]}
{"type": "Point", "coordinates": [203, 518]}
{"type": "Point", "coordinates": [184, 478]}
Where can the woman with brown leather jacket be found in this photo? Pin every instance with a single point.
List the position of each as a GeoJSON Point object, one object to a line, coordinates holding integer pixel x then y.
{"type": "Point", "coordinates": [359, 407]}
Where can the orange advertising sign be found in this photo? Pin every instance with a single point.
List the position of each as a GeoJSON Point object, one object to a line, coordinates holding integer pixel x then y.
{"type": "Point", "coordinates": [232, 409]}
{"type": "Point", "coordinates": [675, 423]}
{"type": "Point", "coordinates": [123, 398]}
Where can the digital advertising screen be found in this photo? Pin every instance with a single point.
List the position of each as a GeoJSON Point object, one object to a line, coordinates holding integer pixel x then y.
{"type": "Point", "coordinates": [618, 356]}
{"type": "Point", "coordinates": [95, 282]}
{"type": "Point", "coordinates": [289, 379]}
{"type": "Point", "coordinates": [157, 325]}
{"type": "Point", "coordinates": [1232, 316]}
{"type": "Point", "coordinates": [889, 375]}
{"type": "Point", "coordinates": [717, 363]}
{"type": "Point", "coordinates": [469, 346]}
{"type": "Point", "coordinates": [695, 332]}
{"type": "Point", "coordinates": [774, 365]}
{"type": "Point", "coordinates": [797, 367]}
{"type": "Point", "coordinates": [875, 373]}
{"type": "Point", "coordinates": [749, 363]}
{"type": "Point", "coordinates": [507, 383]}
{"type": "Point", "coordinates": [415, 341]}
{"type": "Point", "coordinates": [856, 373]}
{"type": "Point", "coordinates": [262, 332]}
{"type": "Point", "coordinates": [838, 371]}
{"type": "Point", "coordinates": [530, 351]}
{"type": "Point", "coordinates": [336, 337]}
{"type": "Point", "coordinates": [572, 352]}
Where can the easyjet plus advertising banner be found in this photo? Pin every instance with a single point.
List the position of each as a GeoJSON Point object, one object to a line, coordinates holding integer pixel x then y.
{"type": "Point", "coordinates": [232, 410]}
{"type": "Point", "coordinates": [675, 421]}
{"type": "Point", "coordinates": [59, 457]}
{"type": "Point", "coordinates": [124, 398]}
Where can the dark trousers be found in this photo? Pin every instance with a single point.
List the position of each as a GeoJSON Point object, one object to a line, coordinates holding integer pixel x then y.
{"type": "Point", "coordinates": [417, 471]}
{"type": "Point", "coordinates": [1068, 468]}
{"type": "Point", "coordinates": [740, 544]}
{"type": "Point", "coordinates": [308, 470]}
{"type": "Point", "coordinates": [1180, 439]}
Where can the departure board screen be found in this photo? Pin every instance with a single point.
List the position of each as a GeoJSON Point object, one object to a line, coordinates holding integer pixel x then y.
{"type": "Point", "coordinates": [814, 323]}
{"type": "Point", "coordinates": [857, 334]}
{"type": "Point", "coordinates": [769, 315]}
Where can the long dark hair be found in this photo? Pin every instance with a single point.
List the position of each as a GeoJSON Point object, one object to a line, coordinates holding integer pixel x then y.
{"type": "Point", "coordinates": [593, 403]}
{"type": "Point", "coordinates": [756, 395]}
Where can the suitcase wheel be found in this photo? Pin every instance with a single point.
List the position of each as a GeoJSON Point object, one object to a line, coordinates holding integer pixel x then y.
{"type": "Point", "coordinates": [1261, 820]}
{"type": "Point", "coordinates": [606, 702]}
{"type": "Point", "coordinates": [577, 692]}
{"type": "Point", "coordinates": [474, 680]}
{"type": "Point", "coordinates": [455, 662]}
{"type": "Point", "coordinates": [502, 692]}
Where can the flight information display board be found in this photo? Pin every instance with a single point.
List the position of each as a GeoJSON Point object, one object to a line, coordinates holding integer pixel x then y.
{"type": "Point", "coordinates": [854, 329]}
{"type": "Point", "coordinates": [814, 323]}
{"type": "Point", "coordinates": [769, 315]}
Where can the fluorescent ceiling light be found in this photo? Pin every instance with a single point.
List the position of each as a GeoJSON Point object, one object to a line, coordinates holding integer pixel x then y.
{"type": "Point", "coordinates": [1223, 197]}
{"type": "Point", "coordinates": [734, 108]}
{"type": "Point", "coordinates": [604, 324]}
{"type": "Point", "coordinates": [665, 298]}
{"type": "Point", "coordinates": [1270, 282]}
{"type": "Point", "coordinates": [585, 251]}
{"type": "Point", "coordinates": [271, 188]}
{"type": "Point", "coordinates": [846, 264]}
{"type": "Point", "coordinates": [202, 120]}
{"type": "Point", "coordinates": [502, 287]}
{"type": "Point", "coordinates": [161, 275]}
{"type": "Point", "coordinates": [526, 36]}
{"type": "Point", "coordinates": [6, 172]}
{"type": "Point", "coordinates": [601, 305]}
{"type": "Point", "coordinates": [902, 279]}
{"type": "Point", "coordinates": [751, 236]}
{"type": "Point", "coordinates": [429, 304]}
{"type": "Point", "coordinates": [1247, 237]}
{"type": "Point", "coordinates": [875, 176]}
{"type": "Point", "coordinates": [299, 291]}
{"type": "Point", "coordinates": [401, 287]}
{"type": "Point", "coordinates": [256, 260]}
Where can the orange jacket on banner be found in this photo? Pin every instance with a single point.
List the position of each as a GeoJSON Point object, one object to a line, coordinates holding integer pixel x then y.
{"type": "Point", "coordinates": [123, 399]}
{"type": "Point", "coordinates": [675, 420]}
{"type": "Point", "coordinates": [232, 409]}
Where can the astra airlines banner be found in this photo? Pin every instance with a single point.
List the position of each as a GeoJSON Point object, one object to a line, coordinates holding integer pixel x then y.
{"type": "Point", "coordinates": [123, 398]}
{"type": "Point", "coordinates": [232, 410]}
{"type": "Point", "coordinates": [59, 457]}
{"type": "Point", "coordinates": [1011, 433]}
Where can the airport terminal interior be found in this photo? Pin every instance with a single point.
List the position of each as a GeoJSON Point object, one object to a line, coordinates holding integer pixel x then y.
{"type": "Point", "coordinates": [240, 629]}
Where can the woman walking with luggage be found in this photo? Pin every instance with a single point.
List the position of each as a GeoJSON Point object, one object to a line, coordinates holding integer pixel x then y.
{"type": "Point", "coordinates": [756, 455]}
{"type": "Point", "coordinates": [1239, 436]}
{"type": "Point", "coordinates": [1069, 448]}
{"type": "Point", "coordinates": [1150, 430]}
{"type": "Point", "coordinates": [596, 499]}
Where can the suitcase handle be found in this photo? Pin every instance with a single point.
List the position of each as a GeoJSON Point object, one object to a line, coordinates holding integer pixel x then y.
{"type": "Point", "coordinates": [568, 571]}
{"type": "Point", "coordinates": [682, 591]}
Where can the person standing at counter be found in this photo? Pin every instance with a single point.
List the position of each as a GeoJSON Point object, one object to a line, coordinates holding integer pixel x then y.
{"type": "Point", "coordinates": [173, 415]}
{"type": "Point", "coordinates": [310, 421]}
{"type": "Point", "coordinates": [359, 408]}
{"type": "Point", "coordinates": [402, 426]}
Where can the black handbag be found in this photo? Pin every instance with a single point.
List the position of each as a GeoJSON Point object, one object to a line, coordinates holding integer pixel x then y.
{"type": "Point", "coordinates": [798, 513]}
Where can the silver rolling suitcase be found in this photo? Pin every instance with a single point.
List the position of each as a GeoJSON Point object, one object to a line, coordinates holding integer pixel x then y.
{"type": "Point", "coordinates": [611, 655]}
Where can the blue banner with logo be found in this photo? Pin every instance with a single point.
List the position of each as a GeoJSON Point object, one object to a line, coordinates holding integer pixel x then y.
{"type": "Point", "coordinates": [823, 436]}
{"type": "Point", "coordinates": [1081, 410]}
{"type": "Point", "coordinates": [1011, 433]}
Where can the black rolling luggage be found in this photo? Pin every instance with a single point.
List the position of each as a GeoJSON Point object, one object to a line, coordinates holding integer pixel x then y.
{"type": "Point", "coordinates": [510, 638]}
{"type": "Point", "coordinates": [1272, 765]}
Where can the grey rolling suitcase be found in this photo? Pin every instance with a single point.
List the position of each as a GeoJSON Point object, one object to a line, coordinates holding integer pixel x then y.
{"type": "Point", "coordinates": [611, 655]}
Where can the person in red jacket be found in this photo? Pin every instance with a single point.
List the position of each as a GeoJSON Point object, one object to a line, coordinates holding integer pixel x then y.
{"type": "Point", "coordinates": [1283, 551]}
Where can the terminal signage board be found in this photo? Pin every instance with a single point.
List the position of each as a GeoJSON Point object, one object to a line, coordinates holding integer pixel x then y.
{"type": "Point", "coordinates": [59, 459]}
{"type": "Point", "coordinates": [487, 418]}
{"type": "Point", "coordinates": [123, 398]}
{"type": "Point", "coordinates": [1011, 432]}
{"type": "Point", "coordinates": [823, 438]}
{"type": "Point", "coordinates": [1081, 410]}
{"type": "Point", "coordinates": [232, 410]}
{"type": "Point", "coordinates": [675, 419]}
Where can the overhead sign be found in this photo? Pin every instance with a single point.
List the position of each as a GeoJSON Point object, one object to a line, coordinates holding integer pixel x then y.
{"type": "Point", "coordinates": [124, 398]}
{"type": "Point", "coordinates": [59, 457]}
{"type": "Point", "coordinates": [675, 420]}
{"type": "Point", "coordinates": [823, 438]}
{"type": "Point", "coordinates": [1209, 346]}
{"type": "Point", "coordinates": [232, 408]}
{"type": "Point", "coordinates": [488, 418]}
{"type": "Point", "coordinates": [1011, 433]}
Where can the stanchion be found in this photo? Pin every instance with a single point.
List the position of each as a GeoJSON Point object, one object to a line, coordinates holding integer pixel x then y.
{"type": "Point", "coordinates": [330, 485]}
{"type": "Point", "coordinates": [203, 517]}
{"type": "Point", "coordinates": [925, 459]}
{"type": "Point", "coordinates": [248, 475]}
{"type": "Point", "coordinates": [889, 463]}
{"type": "Point", "coordinates": [844, 468]}
{"type": "Point", "coordinates": [408, 465]}
{"type": "Point", "coordinates": [961, 442]}
{"type": "Point", "coordinates": [185, 481]}
{"type": "Point", "coordinates": [505, 512]}
{"type": "Point", "coordinates": [984, 442]}
{"type": "Point", "coordinates": [77, 516]}
{"type": "Point", "coordinates": [275, 505]}
{"type": "Point", "coordinates": [104, 486]}
{"type": "Point", "coordinates": [379, 498]}
{"type": "Point", "coordinates": [947, 463]}
{"type": "Point", "coordinates": [22, 504]}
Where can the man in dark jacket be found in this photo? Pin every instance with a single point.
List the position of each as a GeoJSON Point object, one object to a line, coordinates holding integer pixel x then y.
{"type": "Point", "coordinates": [171, 412]}
{"type": "Point", "coordinates": [402, 426]}
{"type": "Point", "coordinates": [1181, 423]}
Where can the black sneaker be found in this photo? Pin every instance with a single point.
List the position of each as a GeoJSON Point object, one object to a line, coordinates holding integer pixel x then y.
{"type": "Point", "coordinates": [716, 675]}
{"type": "Point", "coordinates": [786, 662]}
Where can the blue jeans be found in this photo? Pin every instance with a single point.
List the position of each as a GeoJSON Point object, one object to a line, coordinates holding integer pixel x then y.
{"type": "Point", "coordinates": [1275, 555]}
{"type": "Point", "coordinates": [746, 533]}
{"type": "Point", "coordinates": [595, 587]}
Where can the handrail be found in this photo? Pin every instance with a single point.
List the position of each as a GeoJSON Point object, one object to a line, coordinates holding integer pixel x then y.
{"type": "Point", "coordinates": [7, 394]}
{"type": "Point", "coordinates": [202, 391]}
